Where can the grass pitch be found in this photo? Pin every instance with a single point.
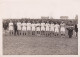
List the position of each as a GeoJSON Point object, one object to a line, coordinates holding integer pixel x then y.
{"type": "Point", "coordinates": [23, 45]}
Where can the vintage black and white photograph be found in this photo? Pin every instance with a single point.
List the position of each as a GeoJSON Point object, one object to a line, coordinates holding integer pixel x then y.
{"type": "Point", "coordinates": [40, 27]}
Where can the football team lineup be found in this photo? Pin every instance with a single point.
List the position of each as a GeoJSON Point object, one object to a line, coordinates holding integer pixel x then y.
{"type": "Point", "coordinates": [29, 37]}
{"type": "Point", "coordinates": [48, 28]}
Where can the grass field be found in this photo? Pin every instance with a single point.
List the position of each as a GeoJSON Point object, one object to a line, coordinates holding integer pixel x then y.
{"type": "Point", "coordinates": [23, 45]}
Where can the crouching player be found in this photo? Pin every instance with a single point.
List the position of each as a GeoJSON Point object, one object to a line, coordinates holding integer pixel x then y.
{"type": "Point", "coordinates": [51, 29]}
{"type": "Point", "coordinates": [33, 28]}
{"type": "Point", "coordinates": [38, 28]}
{"type": "Point", "coordinates": [47, 29]}
{"type": "Point", "coordinates": [42, 28]}
{"type": "Point", "coordinates": [23, 28]}
{"type": "Point", "coordinates": [28, 28]}
{"type": "Point", "coordinates": [11, 28]}
{"type": "Point", "coordinates": [57, 29]}
{"type": "Point", "coordinates": [19, 27]}
{"type": "Point", "coordinates": [62, 29]}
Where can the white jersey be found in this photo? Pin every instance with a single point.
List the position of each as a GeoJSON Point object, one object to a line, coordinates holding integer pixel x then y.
{"type": "Point", "coordinates": [42, 26]}
{"type": "Point", "coordinates": [51, 27]}
{"type": "Point", "coordinates": [38, 27]}
{"type": "Point", "coordinates": [18, 25]}
{"type": "Point", "coordinates": [47, 27]}
{"type": "Point", "coordinates": [10, 26]}
{"type": "Point", "coordinates": [62, 27]}
{"type": "Point", "coordinates": [23, 26]}
{"type": "Point", "coordinates": [57, 27]}
{"type": "Point", "coordinates": [33, 26]}
{"type": "Point", "coordinates": [28, 26]}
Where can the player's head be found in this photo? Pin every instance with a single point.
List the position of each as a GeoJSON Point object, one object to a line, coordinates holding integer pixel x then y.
{"type": "Point", "coordinates": [42, 21]}
{"type": "Point", "coordinates": [37, 21]}
{"type": "Point", "coordinates": [70, 22]}
{"type": "Point", "coordinates": [62, 22]}
{"type": "Point", "coordinates": [28, 21]}
{"type": "Point", "coordinates": [56, 22]}
{"type": "Point", "coordinates": [23, 21]}
{"type": "Point", "coordinates": [10, 21]}
{"type": "Point", "coordinates": [47, 21]}
{"type": "Point", "coordinates": [33, 21]}
{"type": "Point", "coordinates": [18, 21]}
{"type": "Point", "coordinates": [52, 22]}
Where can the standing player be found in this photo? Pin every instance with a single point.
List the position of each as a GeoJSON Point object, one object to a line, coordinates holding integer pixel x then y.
{"type": "Point", "coordinates": [57, 29]}
{"type": "Point", "coordinates": [47, 29]}
{"type": "Point", "coordinates": [28, 28]}
{"type": "Point", "coordinates": [33, 28]}
{"type": "Point", "coordinates": [76, 30]}
{"type": "Point", "coordinates": [15, 28]}
{"type": "Point", "coordinates": [11, 28]}
{"type": "Point", "coordinates": [52, 29]}
{"type": "Point", "coordinates": [70, 29]}
{"type": "Point", "coordinates": [5, 27]}
{"type": "Point", "coordinates": [38, 28]}
{"type": "Point", "coordinates": [62, 28]}
{"type": "Point", "coordinates": [19, 27]}
{"type": "Point", "coordinates": [43, 28]}
{"type": "Point", "coordinates": [24, 28]}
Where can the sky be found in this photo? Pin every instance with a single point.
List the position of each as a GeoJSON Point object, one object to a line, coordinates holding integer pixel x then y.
{"type": "Point", "coordinates": [38, 8]}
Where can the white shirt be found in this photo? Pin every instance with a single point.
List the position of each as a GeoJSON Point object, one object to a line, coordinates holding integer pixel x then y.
{"type": "Point", "coordinates": [57, 27]}
{"type": "Point", "coordinates": [42, 26]}
{"type": "Point", "coordinates": [10, 26]}
{"type": "Point", "coordinates": [23, 26]}
{"type": "Point", "coordinates": [51, 27]}
{"type": "Point", "coordinates": [28, 26]}
{"type": "Point", "coordinates": [19, 25]}
{"type": "Point", "coordinates": [47, 26]}
{"type": "Point", "coordinates": [38, 27]}
{"type": "Point", "coordinates": [62, 25]}
{"type": "Point", "coordinates": [33, 26]}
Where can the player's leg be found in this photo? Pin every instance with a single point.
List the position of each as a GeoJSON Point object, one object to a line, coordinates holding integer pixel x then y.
{"type": "Point", "coordinates": [15, 32]}
{"type": "Point", "coordinates": [22, 31]}
{"type": "Point", "coordinates": [50, 33]}
{"type": "Point", "coordinates": [42, 33]}
{"type": "Point", "coordinates": [29, 32]}
{"type": "Point", "coordinates": [70, 33]}
{"type": "Point", "coordinates": [46, 33]}
{"type": "Point", "coordinates": [19, 32]}
{"type": "Point", "coordinates": [32, 33]}
{"type": "Point", "coordinates": [10, 32]}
